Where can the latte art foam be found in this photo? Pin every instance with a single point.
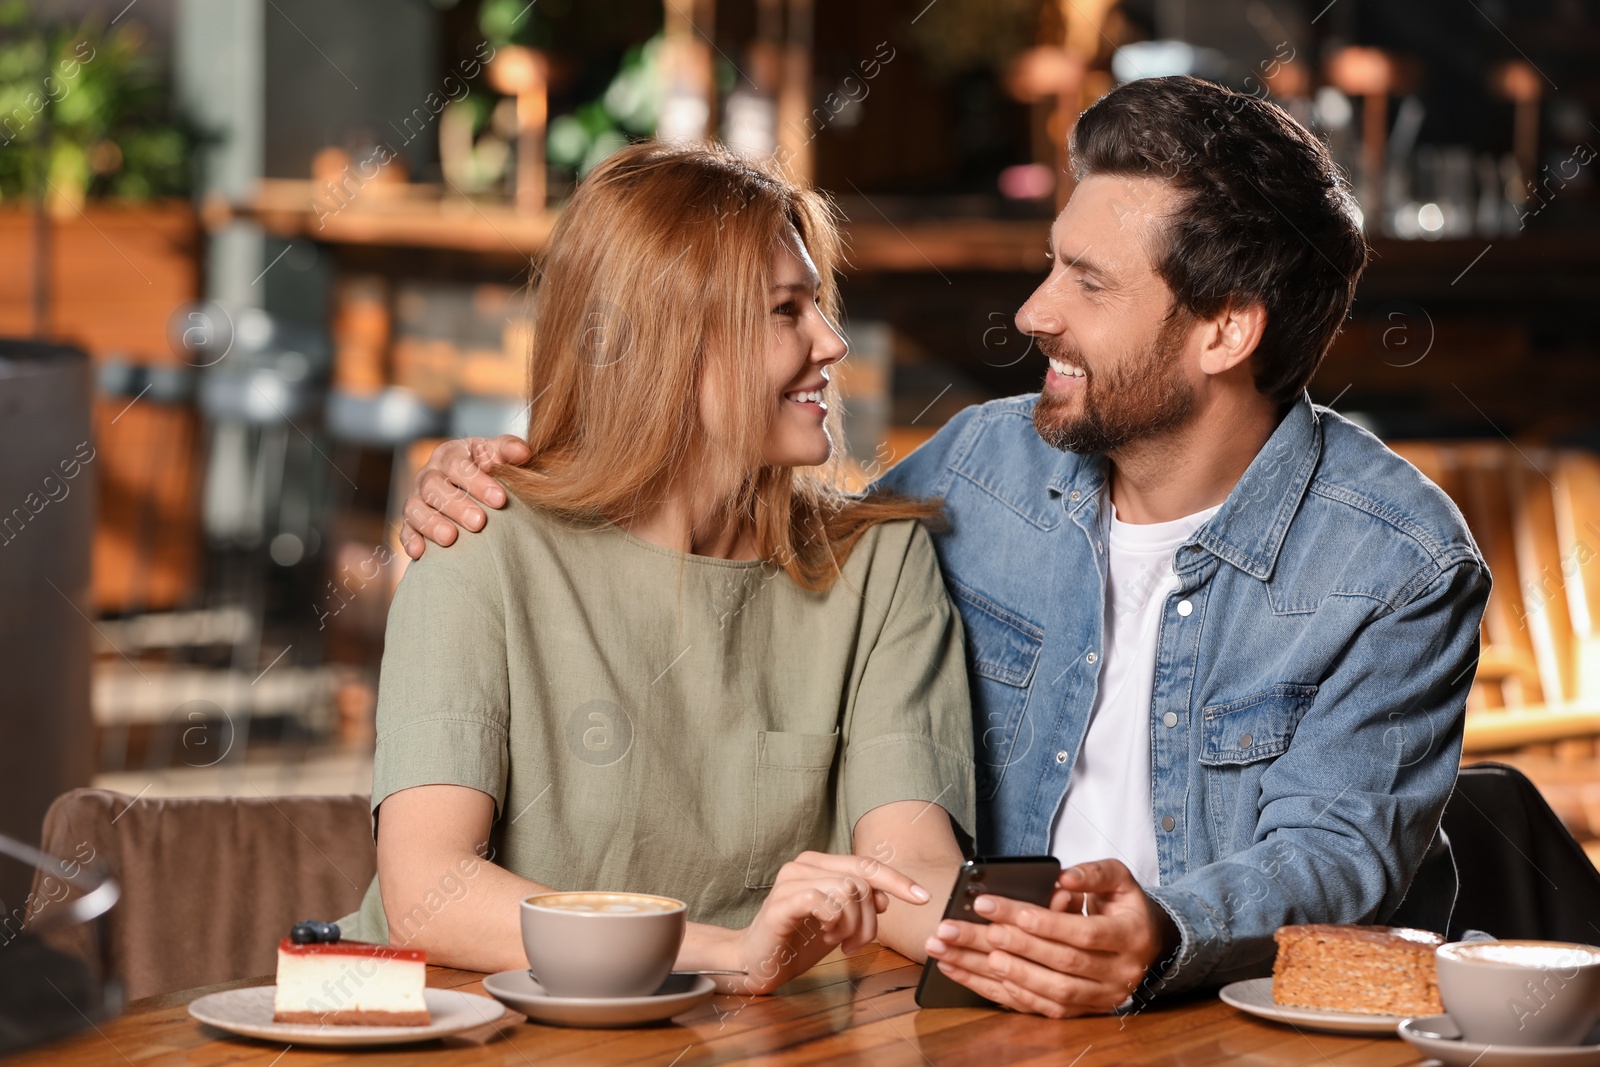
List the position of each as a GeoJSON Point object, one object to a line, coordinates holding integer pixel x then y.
{"type": "Point", "coordinates": [606, 903]}
{"type": "Point", "coordinates": [1525, 954]}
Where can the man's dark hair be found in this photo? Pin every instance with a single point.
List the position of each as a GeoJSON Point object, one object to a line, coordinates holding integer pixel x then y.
{"type": "Point", "coordinates": [1264, 215]}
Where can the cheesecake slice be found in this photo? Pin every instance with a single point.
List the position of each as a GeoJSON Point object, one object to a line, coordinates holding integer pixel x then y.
{"type": "Point", "coordinates": [349, 983]}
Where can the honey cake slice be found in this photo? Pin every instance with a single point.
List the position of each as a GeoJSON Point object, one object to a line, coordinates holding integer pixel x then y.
{"type": "Point", "coordinates": [1366, 970]}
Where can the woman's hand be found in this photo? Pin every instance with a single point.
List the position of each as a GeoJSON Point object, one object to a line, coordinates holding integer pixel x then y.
{"type": "Point", "coordinates": [817, 902]}
{"type": "Point", "coordinates": [454, 486]}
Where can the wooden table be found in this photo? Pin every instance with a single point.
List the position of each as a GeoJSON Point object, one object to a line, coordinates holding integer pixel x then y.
{"type": "Point", "coordinates": [858, 1010]}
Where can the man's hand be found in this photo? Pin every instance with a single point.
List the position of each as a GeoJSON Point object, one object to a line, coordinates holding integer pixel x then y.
{"type": "Point", "coordinates": [1060, 961]}
{"type": "Point", "coordinates": [454, 486]}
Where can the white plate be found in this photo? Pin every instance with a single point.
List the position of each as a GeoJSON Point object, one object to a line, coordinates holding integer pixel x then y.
{"type": "Point", "coordinates": [1254, 996]}
{"type": "Point", "coordinates": [1428, 1035]}
{"type": "Point", "coordinates": [518, 991]}
{"type": "Point", "coordinates": [248, 1012]}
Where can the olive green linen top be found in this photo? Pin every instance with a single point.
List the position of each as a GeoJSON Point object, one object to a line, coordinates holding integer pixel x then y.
{"type": "Point", "coordinates": [651, 721]}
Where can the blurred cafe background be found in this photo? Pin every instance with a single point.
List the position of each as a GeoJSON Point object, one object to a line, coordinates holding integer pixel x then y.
{"type": "Point", "coordinates": [257, 257]}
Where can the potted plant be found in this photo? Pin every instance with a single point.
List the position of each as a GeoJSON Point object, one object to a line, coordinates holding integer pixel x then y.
{"type": "Point", "coordinates": [95, 174]}
{"type": "Point", "coordinates": [103, 243]}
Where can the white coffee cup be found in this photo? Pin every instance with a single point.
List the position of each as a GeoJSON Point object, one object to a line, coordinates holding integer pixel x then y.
{"type": "Point", "coordinates": [1521, 992]}
{"type": "Point", "coordinates": [598, 944]}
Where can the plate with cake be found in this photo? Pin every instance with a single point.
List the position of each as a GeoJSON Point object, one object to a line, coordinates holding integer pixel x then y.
{"type": "Point", "coordinates": [1345, 979]}
{"type": "Point", "coordinates": [335, 992]}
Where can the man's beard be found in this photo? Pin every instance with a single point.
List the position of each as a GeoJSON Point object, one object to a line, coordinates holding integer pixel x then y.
{"type": "Point", "coordinates": [1144, 395]}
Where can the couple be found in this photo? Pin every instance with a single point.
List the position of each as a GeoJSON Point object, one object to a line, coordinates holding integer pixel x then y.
{"type": "Point", "coordinates": [1217, 642]}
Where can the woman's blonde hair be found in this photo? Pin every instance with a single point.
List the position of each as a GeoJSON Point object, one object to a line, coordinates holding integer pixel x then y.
{"type": "Point", "coordinates": [655, 282]}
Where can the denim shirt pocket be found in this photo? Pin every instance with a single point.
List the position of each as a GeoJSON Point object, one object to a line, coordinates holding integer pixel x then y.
{"type": "Point", "coordinates": [1238, 742]}
{"type": "Point", "coordinates": [1253, 728]}
{"type": "Point", "coordinates": [1003, 654]}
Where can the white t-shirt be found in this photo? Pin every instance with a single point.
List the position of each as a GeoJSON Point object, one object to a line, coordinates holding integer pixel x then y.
{"type": "Point", "coordinates": [1107, 812]}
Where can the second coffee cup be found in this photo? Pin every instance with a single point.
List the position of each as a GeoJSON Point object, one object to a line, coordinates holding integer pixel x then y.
{"type": "Point", "coordinates": [600, 944]}
{"type": "Point", "coordinates": [1529, 993]}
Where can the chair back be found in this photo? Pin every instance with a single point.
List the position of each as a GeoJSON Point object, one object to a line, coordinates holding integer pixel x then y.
{"type": "Point", "coordinates": [209, 884]}
{"type": "Point", "coordinates": [1522, 874]}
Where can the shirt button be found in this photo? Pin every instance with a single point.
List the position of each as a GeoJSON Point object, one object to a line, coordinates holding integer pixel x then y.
{"type": "Point", "coordinates": [1074, 495]}
{"type": "Point", "coordinates": [1168, 822]}
{"type": "Point", "coordinates": [1061, 757]}
{"type": "Point", "coordinates": [1246, 741]}
{"type": "Point", "coordinates": [1091, 658]}
{"type": "Point", "coordinates": [1170, 719]}
{"type": "Point", "coordinates": [1185, 608]}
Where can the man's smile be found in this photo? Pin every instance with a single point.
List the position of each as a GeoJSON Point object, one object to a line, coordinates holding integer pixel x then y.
{"type": "Point", "coordinates": [1063, 376]}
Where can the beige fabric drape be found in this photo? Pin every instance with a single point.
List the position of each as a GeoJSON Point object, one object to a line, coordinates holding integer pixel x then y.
{"type": "Point", "coordinates": [209, 884]}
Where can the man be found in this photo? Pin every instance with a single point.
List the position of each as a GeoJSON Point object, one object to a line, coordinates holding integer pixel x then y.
{"type": "Point", "coordinates": [1220, 640]}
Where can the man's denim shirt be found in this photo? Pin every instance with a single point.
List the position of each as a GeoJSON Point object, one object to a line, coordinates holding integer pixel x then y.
{"type": "Point", "coordinates": [1311, 670]}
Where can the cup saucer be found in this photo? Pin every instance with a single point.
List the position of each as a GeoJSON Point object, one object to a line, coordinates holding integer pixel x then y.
{"type": "Point", "coordinates": [519, 991]}
{"type": "Point", "coordinates": [1437, 1036]}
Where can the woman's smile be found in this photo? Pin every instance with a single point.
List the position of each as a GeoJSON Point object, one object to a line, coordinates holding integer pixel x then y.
{"type": "Point", "coordinates": [809, 397]}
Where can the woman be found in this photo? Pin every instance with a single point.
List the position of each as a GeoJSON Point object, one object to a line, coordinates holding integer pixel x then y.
{"type": "Point", "coordinates": [681, 662]}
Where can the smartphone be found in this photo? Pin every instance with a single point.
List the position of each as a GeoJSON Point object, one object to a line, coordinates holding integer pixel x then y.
{"type": "Point", "coordinates": [1030, 879]}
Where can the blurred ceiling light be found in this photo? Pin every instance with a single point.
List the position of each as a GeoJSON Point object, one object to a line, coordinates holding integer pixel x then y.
{"type": "Point", "coordinates": [1332, 108]}
{"type": "Point", "coordinates": [750, 123]}
{"type": "Point", "coordinates": [1289, 79]}
{"type": "Point", "coordinates": [683, 118]}
{"type": "Point", "coordinates": [523, 73]}
{"type": "Point", "coordinates": [516, 70]}
{"type": "Point", "coordinates": [255, 329]}
{"type": "Point", "coordinates": [1044, 72]}
{"type": "Point", "coordinates": [1359, 71]}
{"type": "Point", "coordinates": [1431, 218]}
{"type": "Point", "coordinates": [1028, 181]}
{"type": "Point", "coordinates": [1159, 59]}
{"type": "Point", "coordinates": [1516, 81]}
{"type": "Point", "coordinates": [286, 550]}
{"type": "Point", "coordinates": [1520, 83]}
